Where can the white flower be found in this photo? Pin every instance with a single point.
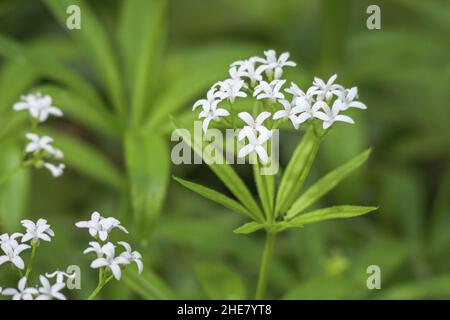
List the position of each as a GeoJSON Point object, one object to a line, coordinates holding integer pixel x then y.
{"type": "Point", "coordinates": [21, 293]}
{"type": "Point", "coordinates": [55, 170]}
{"type": "Point", "coordinates": [101, 226]}
{"type": "Point", "coordinates": [48, 291]}
{"type": "Point", "coordinates": [329, 116]}
{"type": "Point", "coordinates": [12, 252]}
{"type": "Point", "coordinates": [265, 90]}
{"type": "Point", "coordinates": [211, 96]}
{"type": "Point", "coordinates": [109, 261]}
{"type": "Point", "coordinates": [275, 65]}
{"type": "Point", "coordinates": [41, 144]}
{"type": "Point", "coordinates": [39, 106]}
{"type": "Point", "coordinates": [236, 74]}
{"type": "Point", "coordinates": [253, 125]}
{"type": "Point", "coordinates": [347, 97]}
{"type": "Point", "coordinates": [326, 90]}
{"type": "Point", "coordinates": [308, 109]}
{"type": "Point", "coordinates": [211, 112]}
{"type": "Point", "coordinates": [231, 89]}
{"type": "Point", "coordinates": [132, 256]}
{"type": "Point", "coordinates": [6, 238]}
{"type": "Point", "coordinates": [256, 145]}
{"type": "Point", "coordinates": [35, 231]}
{"type": "Point", "coordinates": [94, 247]}
{"type": "Point", "coordinates": [248, 69]}
{"type": "Point", "coordinates": [291, 109]}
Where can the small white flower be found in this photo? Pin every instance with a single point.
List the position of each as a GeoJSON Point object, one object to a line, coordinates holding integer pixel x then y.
{"type": "Point", "coordinates": [101, 226]}
{"type": "Point", "coordinates": [256, 144]}
{"type": "Point", "coordinates": [6, 238]}
{"type": "Point", "coordinates": [55, 170]}
{"type": "Point", "coordinates": [132, 256]}
{"type": "Point", "coordinates": [231, 89]}
{"type": "Point", "coordinates": [21, 293]}
{"type": "Point", "coordinates": [236, 74]}
{"type": "Point", "coordinates": [329, 116]}
{"type": "Point", "coordinates": [211, 112]}
{"type": "Point", "coordinates": [275, 65]}
{"type": "Point", "coordinates": [248, 69]}
{"type": "Point", "coordinates": [109, 261]}
{"type": "Point", "coordinates": [253, 125]}
{"type": "Point", "coordinates": [291, 109]}
{"type": "Point", "coordinates": [211, 96]}
{"type": "Point", "coordinates": [265, 90]}
{"type": "Point", "coordinates": [41, 144]}
{"type": "Point", "coordinates": [39, 106]}
{"type": "Point", "coordinates": [50, 292]}
{"type": "Point", "coordinates": [12, 252]}
{"type": "Point", "coordinates": [94, 247]}
{"type": "Point", "coordinates": [326, 90]}
{"type": "Point", "coordinates": [308, 109]}
{"type": "Point", "coordinates": [347, 97]}
{"type": "Point", "coordinates": [37, 231]}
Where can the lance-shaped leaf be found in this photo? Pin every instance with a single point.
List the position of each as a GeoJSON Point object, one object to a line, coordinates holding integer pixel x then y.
{"type": "Point", "coordinates": [266, 189]}
{"type": "Point", "coordinates": [337, 212]}
{"type": "Point", "coordinates": [249, 227]}
{"type": "Point", "coordinates": [224, 171]}
{"type": "Point", "coordinates": [215, 196]}
{"type": "Point", "coordinates": [297, 170]}
{"type": "Point", "coordinates": [325, 184]}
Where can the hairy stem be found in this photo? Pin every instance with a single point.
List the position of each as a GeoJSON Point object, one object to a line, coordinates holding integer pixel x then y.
{"type": "Point", "coordinates": [263, 271]}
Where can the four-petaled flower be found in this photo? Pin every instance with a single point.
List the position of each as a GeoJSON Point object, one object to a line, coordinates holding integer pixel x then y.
{"type": "Point", "coordinates": [132, 256]}
{"type": "Point", "coordinates": [253, 125]}
{"type": "Point", "coordinates": [329, 116]}
{"type": "Point", "coordinates": [347, 97]}
{"type": "Point", "coordinates": [109, 261]}
{"type": "Point", "coordinates": [326, 90]}
{"type": "Point", "coordinates": [50, 292]}
{"type": "Point", "coordinates": [211, 112]}
{"type": "Point", "coordinates": [248, 69]}
{"type": "Point", "coordinates": [291, 109]}
{"type": "Point", "coordinates": [37, 231]}
{"type": "Point", "coordinates": [41, 144]}
{"type": "Point", "coordinates": [309, 109]}
{"type": "Point", "coordinates": [12, 252]}
{"type": "Point", "coordinates": [265, 90]}
{"type": "Point", "coordinates": [256, 144]}
{"type": "Point", "coordinates": [55, 169]}
{"type": "Point", "coordinates": [275, 65]}
{"type": "Point", "coordinates": [212, 95]}
{"type": "Point", "coordinates": [39, 106]}
{"type": "Point", "coordinates": [231, 89]}
{"type": "Point", "coordinates": [21, 293]}
{"type": "Point", "coordinates": [96, 247]}
{"type": "Point", "coordinates": [101, 226]}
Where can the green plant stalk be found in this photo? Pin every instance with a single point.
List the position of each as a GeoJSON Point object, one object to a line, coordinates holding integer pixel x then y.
{"type": "Point", "coordinates": [265, 262]}
{"type": "Point", "coordinates": [30, 264]}
{"type": "Point", "coordinates": [102, 281]}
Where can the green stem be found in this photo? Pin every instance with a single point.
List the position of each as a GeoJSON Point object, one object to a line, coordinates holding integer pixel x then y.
{"type": "Point", "coordinates": [33, 253]}
{"type": "Point", "coordinates": [263, 271]}
{"type": "Point", "coordinates": [102, 281]}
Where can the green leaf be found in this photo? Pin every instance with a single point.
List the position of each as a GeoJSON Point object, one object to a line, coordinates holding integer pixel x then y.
{"type": "Point", "coordinates": [249, 227]}
{"type": "Point", "coordinates": [325, 184]}
{"type": "Point", "coordinates": [337, 212]}
{"type": "Point", "coordinates": [93, 38]}
{"type": "Point", "coordinates": [297, 170]}
{"type": "Point", "coordinates": [215, 196]}
{"type": "Point", "coordinates": [223, 171]}
{"type": "Point", "coordinates": [148, 165]}
{"type": "Point", "coordinates": [266, 189]}
{"type": "Point", "coordinates": [141, 34]}
{"type": "Point", "coordinates": [220, 282]}
{"type": "Point", "coordinates": [86, 159]}
{"type": "Point", "coordinates": [147, 284]}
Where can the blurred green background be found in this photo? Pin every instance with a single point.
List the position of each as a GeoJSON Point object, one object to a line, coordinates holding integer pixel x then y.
{"type": "Point", "coordinates": [136, 62]}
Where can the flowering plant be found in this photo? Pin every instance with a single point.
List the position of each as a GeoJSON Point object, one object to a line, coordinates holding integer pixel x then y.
{"type": "Point", "coordinates": [316, 110]}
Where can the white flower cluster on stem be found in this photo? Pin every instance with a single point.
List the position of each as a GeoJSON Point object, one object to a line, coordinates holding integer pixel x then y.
{"type": "Point", "coordinates": [39, 151]}
{"type": "Point", "coordinates": [260, 78]}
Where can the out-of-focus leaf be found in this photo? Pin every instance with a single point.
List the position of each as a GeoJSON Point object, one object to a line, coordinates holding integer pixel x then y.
{"type": "Point", "coordinates": [142, 33]}
{"type": "Point", "coordinates": [215, 196]}
{"type": "Point", "coordinates": [327, 289]}
{"type": "Point", "coordinates": [297, 170]}
{"type": "Point", "coordinates": [325, 184]}
{"type": "Point", "coordinates": [87, 159]}
{"type": "Point", "coordinates": [220, 282]}
{"type": "Point", "coordinates": [337, 212]}
{"type": "Point", "coordinates": [224, 171]}
{"type": "Point", "coordinates": [147, 284]}
{"type": "Point", "coordinates": [93, 38]}
{"type": "Point", "coordinates": [148, 165]}
{"type": "Point", "coordinates": [13, 191]}
{"type": "Point", "coordinates": [249, 228]}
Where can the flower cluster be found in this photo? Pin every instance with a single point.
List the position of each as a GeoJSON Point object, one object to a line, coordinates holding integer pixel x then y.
{"type": "Point", "coordinates": [106, 257]}
{"type": "Point", "coordinates": [260, 78]}
{"type": "Point", "coordinates": [39, 151]}
{"type": "Point", "coordinates": [13, 246]}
